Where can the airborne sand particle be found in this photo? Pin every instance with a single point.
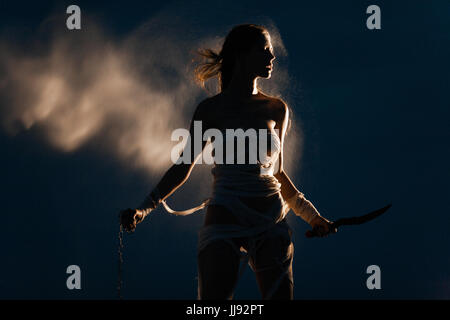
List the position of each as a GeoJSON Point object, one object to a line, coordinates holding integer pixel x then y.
{"type": "Point", "coordinates": [128, 95]}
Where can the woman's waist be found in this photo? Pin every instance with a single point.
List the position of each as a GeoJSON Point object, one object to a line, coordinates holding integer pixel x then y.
{"type": "Point", "coordinates": [219, 212]}
{"type": "Point", "coordinates": [245, 211]}
{"type": "Point", "coordinates": [244, 181]}
{"type": "Point", "coordinates": [247, 169]}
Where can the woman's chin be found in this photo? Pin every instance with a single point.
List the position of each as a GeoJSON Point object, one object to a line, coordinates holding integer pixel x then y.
{"type": "Point", "coordinates": [266, 74]}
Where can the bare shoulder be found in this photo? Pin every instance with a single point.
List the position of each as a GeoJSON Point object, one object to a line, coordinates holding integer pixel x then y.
{"type": "Point", "coordinates": [278, 107]}
{"type": "Point", "coordinates": [203, 108]}
{"type": "Point", "coordinates": [206, 111]}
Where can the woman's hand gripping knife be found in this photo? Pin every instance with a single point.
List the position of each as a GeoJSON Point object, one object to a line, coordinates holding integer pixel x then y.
{"type": "Point", "coordinates": [129, 218]}
{"type": "Point", "coordinates": [306, 210]}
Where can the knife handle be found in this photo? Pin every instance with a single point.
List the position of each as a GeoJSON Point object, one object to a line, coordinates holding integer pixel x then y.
{"type": "Point", "coordinates": [310, 234]}
{"type": "Point", "coordinates": [313, 233]}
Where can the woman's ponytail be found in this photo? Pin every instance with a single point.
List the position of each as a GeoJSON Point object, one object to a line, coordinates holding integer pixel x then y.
{"type": "Point", "coordinates": [209, 69]}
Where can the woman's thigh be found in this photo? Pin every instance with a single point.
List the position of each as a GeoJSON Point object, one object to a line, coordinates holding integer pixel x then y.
{"type": "Point", "coordinates": [272, 264]}
{"type": "Point", "coordinates": [218, 269]}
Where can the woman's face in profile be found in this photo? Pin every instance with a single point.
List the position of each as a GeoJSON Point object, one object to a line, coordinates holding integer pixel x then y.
{"type": "Point", "coordinates": [259, 60]}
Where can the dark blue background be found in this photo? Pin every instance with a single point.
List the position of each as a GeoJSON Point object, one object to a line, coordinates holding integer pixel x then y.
{"type": "Point", "coordinates": [375, 113]}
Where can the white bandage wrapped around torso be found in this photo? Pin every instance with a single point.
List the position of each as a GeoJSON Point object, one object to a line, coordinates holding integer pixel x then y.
{"type": "Point", "coordinates": [302, 207]}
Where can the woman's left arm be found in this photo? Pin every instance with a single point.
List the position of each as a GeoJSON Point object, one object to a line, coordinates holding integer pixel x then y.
{"type": "Point", "coordinates": [296, 200]}
{"type": "Point", "coordinates": [288, 189]}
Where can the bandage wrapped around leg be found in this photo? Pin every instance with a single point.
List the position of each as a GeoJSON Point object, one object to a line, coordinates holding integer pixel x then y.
{"type": "Point", "coordinates": [302, 207]}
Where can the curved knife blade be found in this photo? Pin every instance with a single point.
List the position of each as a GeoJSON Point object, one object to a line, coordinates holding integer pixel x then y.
{"type": "Point", "coordinates": [351, 221]}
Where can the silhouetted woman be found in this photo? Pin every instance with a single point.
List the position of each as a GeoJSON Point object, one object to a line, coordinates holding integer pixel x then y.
{"type": "Point", "coordinates": [245, 217]}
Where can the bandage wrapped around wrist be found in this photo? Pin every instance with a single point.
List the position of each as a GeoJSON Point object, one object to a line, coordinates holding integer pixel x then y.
{"type": "Point", "coordinates": [302, 207]}
{"type": "Point", "coordinates": [150, 202]}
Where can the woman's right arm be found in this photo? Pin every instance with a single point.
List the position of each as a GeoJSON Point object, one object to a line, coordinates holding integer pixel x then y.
{"type": "Point", "coordinates": [174, 177]}
{"type": "Point", "coordinates": [178, 174]}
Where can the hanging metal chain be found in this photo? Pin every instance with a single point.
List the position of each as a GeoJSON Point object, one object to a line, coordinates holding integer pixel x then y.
{"type": "Point", "coordinates": [120, 261]}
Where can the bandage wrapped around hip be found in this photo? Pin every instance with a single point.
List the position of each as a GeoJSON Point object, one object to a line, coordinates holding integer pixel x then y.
{"type": "Point", "coordinates": [302, 207]}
